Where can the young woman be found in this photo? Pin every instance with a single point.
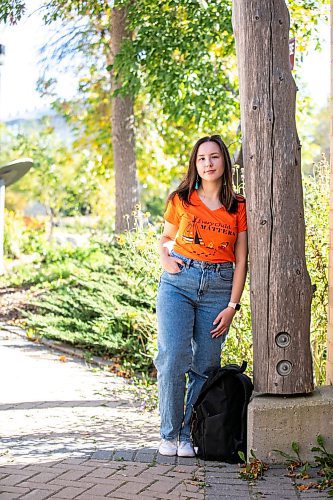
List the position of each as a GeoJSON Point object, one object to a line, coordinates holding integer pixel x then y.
{"type": "Point", "coordinates": [201, 286]}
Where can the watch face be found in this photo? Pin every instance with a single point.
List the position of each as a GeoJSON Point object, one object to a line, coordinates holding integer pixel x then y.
{"type": "Point", "coordinates": [238, 306]}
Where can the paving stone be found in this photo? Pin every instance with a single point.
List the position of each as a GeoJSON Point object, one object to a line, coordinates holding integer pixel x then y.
{"type": "Point", "coordinates": [133, 470]}
{"type": "Point", "coordinates": [39, 494]}
{"type": "Point", "coordinates": [129, 496]}
{"type": "Point", "coordinates": [276, 496]}
{"type": "Point", "coordinates": [223, 480]}
{"type": "Point", "coordinates": [124, 455]}
{"type": "Point", "coordinates": [157, 470]}
{"type": "Point", "coordinates": [164, 486]}
{"type": "Point", "coordinates": [75, 461]}
{"type": "Point", "coordinates": [35, 486]}
{"type": "Point", "coordinates": [72, 475]}
{"type": "Point", "coordinates": [86, 496]}
{"type": "Point", "coordinates": [227, 497]}
{"type": "Point", "coordinates": [106, 463]}
{"type": "Point", "coordinates": [7, 496]}
{"type": "Point", "coordinates": [103, 455]}
{"type": "Point", "coordinates": [160, 459]}
{"type": "Point", "coordinates": [14, 479]}
{"type": "Point", "coordinates": [70, 492]}
{"type": "Point", "coordinates": [14, 490]}
{"type": "Point", "coordinates": [103, 489]}
{"type": "Point", "coordinates": [73, 484]}
{"type": "Point", "coordinates": [145, 456]}
{"type": "Point", "coordinates": [102, 472]}
{"type": "Point", "coordinates": [187, 461]}
{"type": "Point", "coordinates": [229, 487]}
{"type": "Point", "coordinates": [45, 477]}
{"type": "Point", "coordinates": [188, 487]}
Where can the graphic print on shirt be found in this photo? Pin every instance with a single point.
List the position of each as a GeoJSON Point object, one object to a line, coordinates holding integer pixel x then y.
{"type": "Point", "coordinates": [206, 237]}
{"type": "Point", "coordinates": [192, 233]}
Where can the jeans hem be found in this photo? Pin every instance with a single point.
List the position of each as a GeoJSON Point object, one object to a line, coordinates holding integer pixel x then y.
{"type": "Point", "coordinates": [169, 438]}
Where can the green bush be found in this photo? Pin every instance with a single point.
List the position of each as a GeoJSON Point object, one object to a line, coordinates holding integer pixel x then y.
{"type": "Point", "coordinates": [101, 298]}
{"type": "Point", "coordinates": [23, 235]}
{"type": "Point", "coordinates": [316, 201]}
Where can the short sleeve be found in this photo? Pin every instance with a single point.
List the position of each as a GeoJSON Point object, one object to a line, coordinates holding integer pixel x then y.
{"type": "Point", "coordinates": [172, 214]}
{"type": "Point", "coordinates": [241, 216]}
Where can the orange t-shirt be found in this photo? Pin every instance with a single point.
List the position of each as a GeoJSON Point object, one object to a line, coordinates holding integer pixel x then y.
{"type": "Point", "coordinates": [205, 234]}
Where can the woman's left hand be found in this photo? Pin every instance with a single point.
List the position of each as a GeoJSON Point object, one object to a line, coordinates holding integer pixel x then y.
{"type": "Point", "coordinates": [222, 321]}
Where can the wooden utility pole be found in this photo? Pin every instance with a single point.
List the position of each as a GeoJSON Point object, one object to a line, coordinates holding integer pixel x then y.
{"type": "Point", "coordinates": [329, 360]}
{"type": "Point", "coordinates": [280, 286]}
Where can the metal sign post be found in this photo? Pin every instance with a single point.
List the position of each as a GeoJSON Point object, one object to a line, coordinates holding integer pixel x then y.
{"type": "Point", "coordinates": [9, 174]}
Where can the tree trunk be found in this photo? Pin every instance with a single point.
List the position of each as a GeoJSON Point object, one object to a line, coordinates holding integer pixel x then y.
{"type": "Point", "coordinates": [123, 134]}
{"type": "Point", "coordinates": [329, 360]}
{"type": "Point", "coordinates": [280, 287]}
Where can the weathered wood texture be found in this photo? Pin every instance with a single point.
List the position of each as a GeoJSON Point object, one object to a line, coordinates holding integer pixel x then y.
{"type": "Point", "coordinates": [329, 361]}
{"type": "Point", "coordinates": [123, 134]}
{"type": "Point", "coordinates": [280, 287]}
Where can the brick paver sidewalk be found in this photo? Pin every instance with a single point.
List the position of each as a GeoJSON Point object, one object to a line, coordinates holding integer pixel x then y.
{"type": "Point", "coordinates": [72, 431]}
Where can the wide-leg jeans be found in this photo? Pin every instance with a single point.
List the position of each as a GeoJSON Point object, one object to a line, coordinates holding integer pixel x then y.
{"type": "Point", "coordinates": [187, 304]}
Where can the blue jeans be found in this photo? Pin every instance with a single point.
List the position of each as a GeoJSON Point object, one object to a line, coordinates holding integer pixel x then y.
{"type": "Point", "coordinates": [187, 304]}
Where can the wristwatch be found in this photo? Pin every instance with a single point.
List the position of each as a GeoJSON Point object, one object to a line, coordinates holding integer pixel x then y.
{"type": "Point", "coordinates": [234, 305]}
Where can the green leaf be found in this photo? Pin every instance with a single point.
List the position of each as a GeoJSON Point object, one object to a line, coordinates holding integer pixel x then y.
{"type": "Point", "coordinates": [295, 447]}
{"type": "Point", "coordinates": [285, 455]}
{"type": "Point", "coordinates": [242, 456]}
{"type": "Point", "coordinates": [320, 440]}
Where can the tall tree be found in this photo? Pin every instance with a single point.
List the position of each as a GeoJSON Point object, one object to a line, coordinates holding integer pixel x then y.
{"type": "Point", "coordinates": [280, 286]}
{"type": "Point", "coordinates": [329, 360]}
{"type": "Point", "coordinates": [123, 135]}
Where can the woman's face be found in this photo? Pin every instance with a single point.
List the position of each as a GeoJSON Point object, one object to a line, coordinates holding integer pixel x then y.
{"type": "Point", "coordinates": [210, 162]}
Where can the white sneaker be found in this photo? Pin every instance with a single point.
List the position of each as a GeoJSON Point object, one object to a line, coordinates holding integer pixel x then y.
{"type": "Point", "coordinates": [185, 450]}
{"type": "Point", "coordinates": [168, 447]}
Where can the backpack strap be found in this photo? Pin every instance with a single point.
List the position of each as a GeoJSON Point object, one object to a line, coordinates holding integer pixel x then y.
{"type": "Point", "coordinates": [248, 389]}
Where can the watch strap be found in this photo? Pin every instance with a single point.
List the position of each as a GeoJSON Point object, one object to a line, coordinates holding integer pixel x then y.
{"type": "Point", "coordinates": [234, 305]}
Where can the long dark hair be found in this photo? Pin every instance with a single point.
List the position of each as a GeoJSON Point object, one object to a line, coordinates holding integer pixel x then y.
{"type": "Point", "coordinates": [187, 186]}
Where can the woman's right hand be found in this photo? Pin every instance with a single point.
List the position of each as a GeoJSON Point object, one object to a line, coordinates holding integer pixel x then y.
{"type": "Point", "coordinates": [171, 264]}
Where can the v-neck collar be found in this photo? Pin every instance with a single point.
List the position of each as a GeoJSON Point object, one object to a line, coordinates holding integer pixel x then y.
{"type": "Point", "coordinates": [204, 204]}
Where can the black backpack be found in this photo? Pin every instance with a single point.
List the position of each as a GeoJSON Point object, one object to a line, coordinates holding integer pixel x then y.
{"type": "Point", "coordinates": [219, 416]}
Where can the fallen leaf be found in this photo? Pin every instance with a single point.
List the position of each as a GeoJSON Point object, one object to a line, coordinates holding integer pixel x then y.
{"type": "Point", "coordinates": [304, 487]}
{"type": "Point", "coordinates": [63, 359]}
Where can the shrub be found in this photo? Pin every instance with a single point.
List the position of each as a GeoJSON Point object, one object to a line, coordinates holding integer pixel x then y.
{"type": "Point", "coordinates": [101, 298]}
{"type": "Point", "coordinates": [316, 201]}
{"type": "Point", "coordinates": [23, 235]}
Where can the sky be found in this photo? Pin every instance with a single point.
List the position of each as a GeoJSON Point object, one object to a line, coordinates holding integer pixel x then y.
{"type": "Point", "coordinates": [21, 69]}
